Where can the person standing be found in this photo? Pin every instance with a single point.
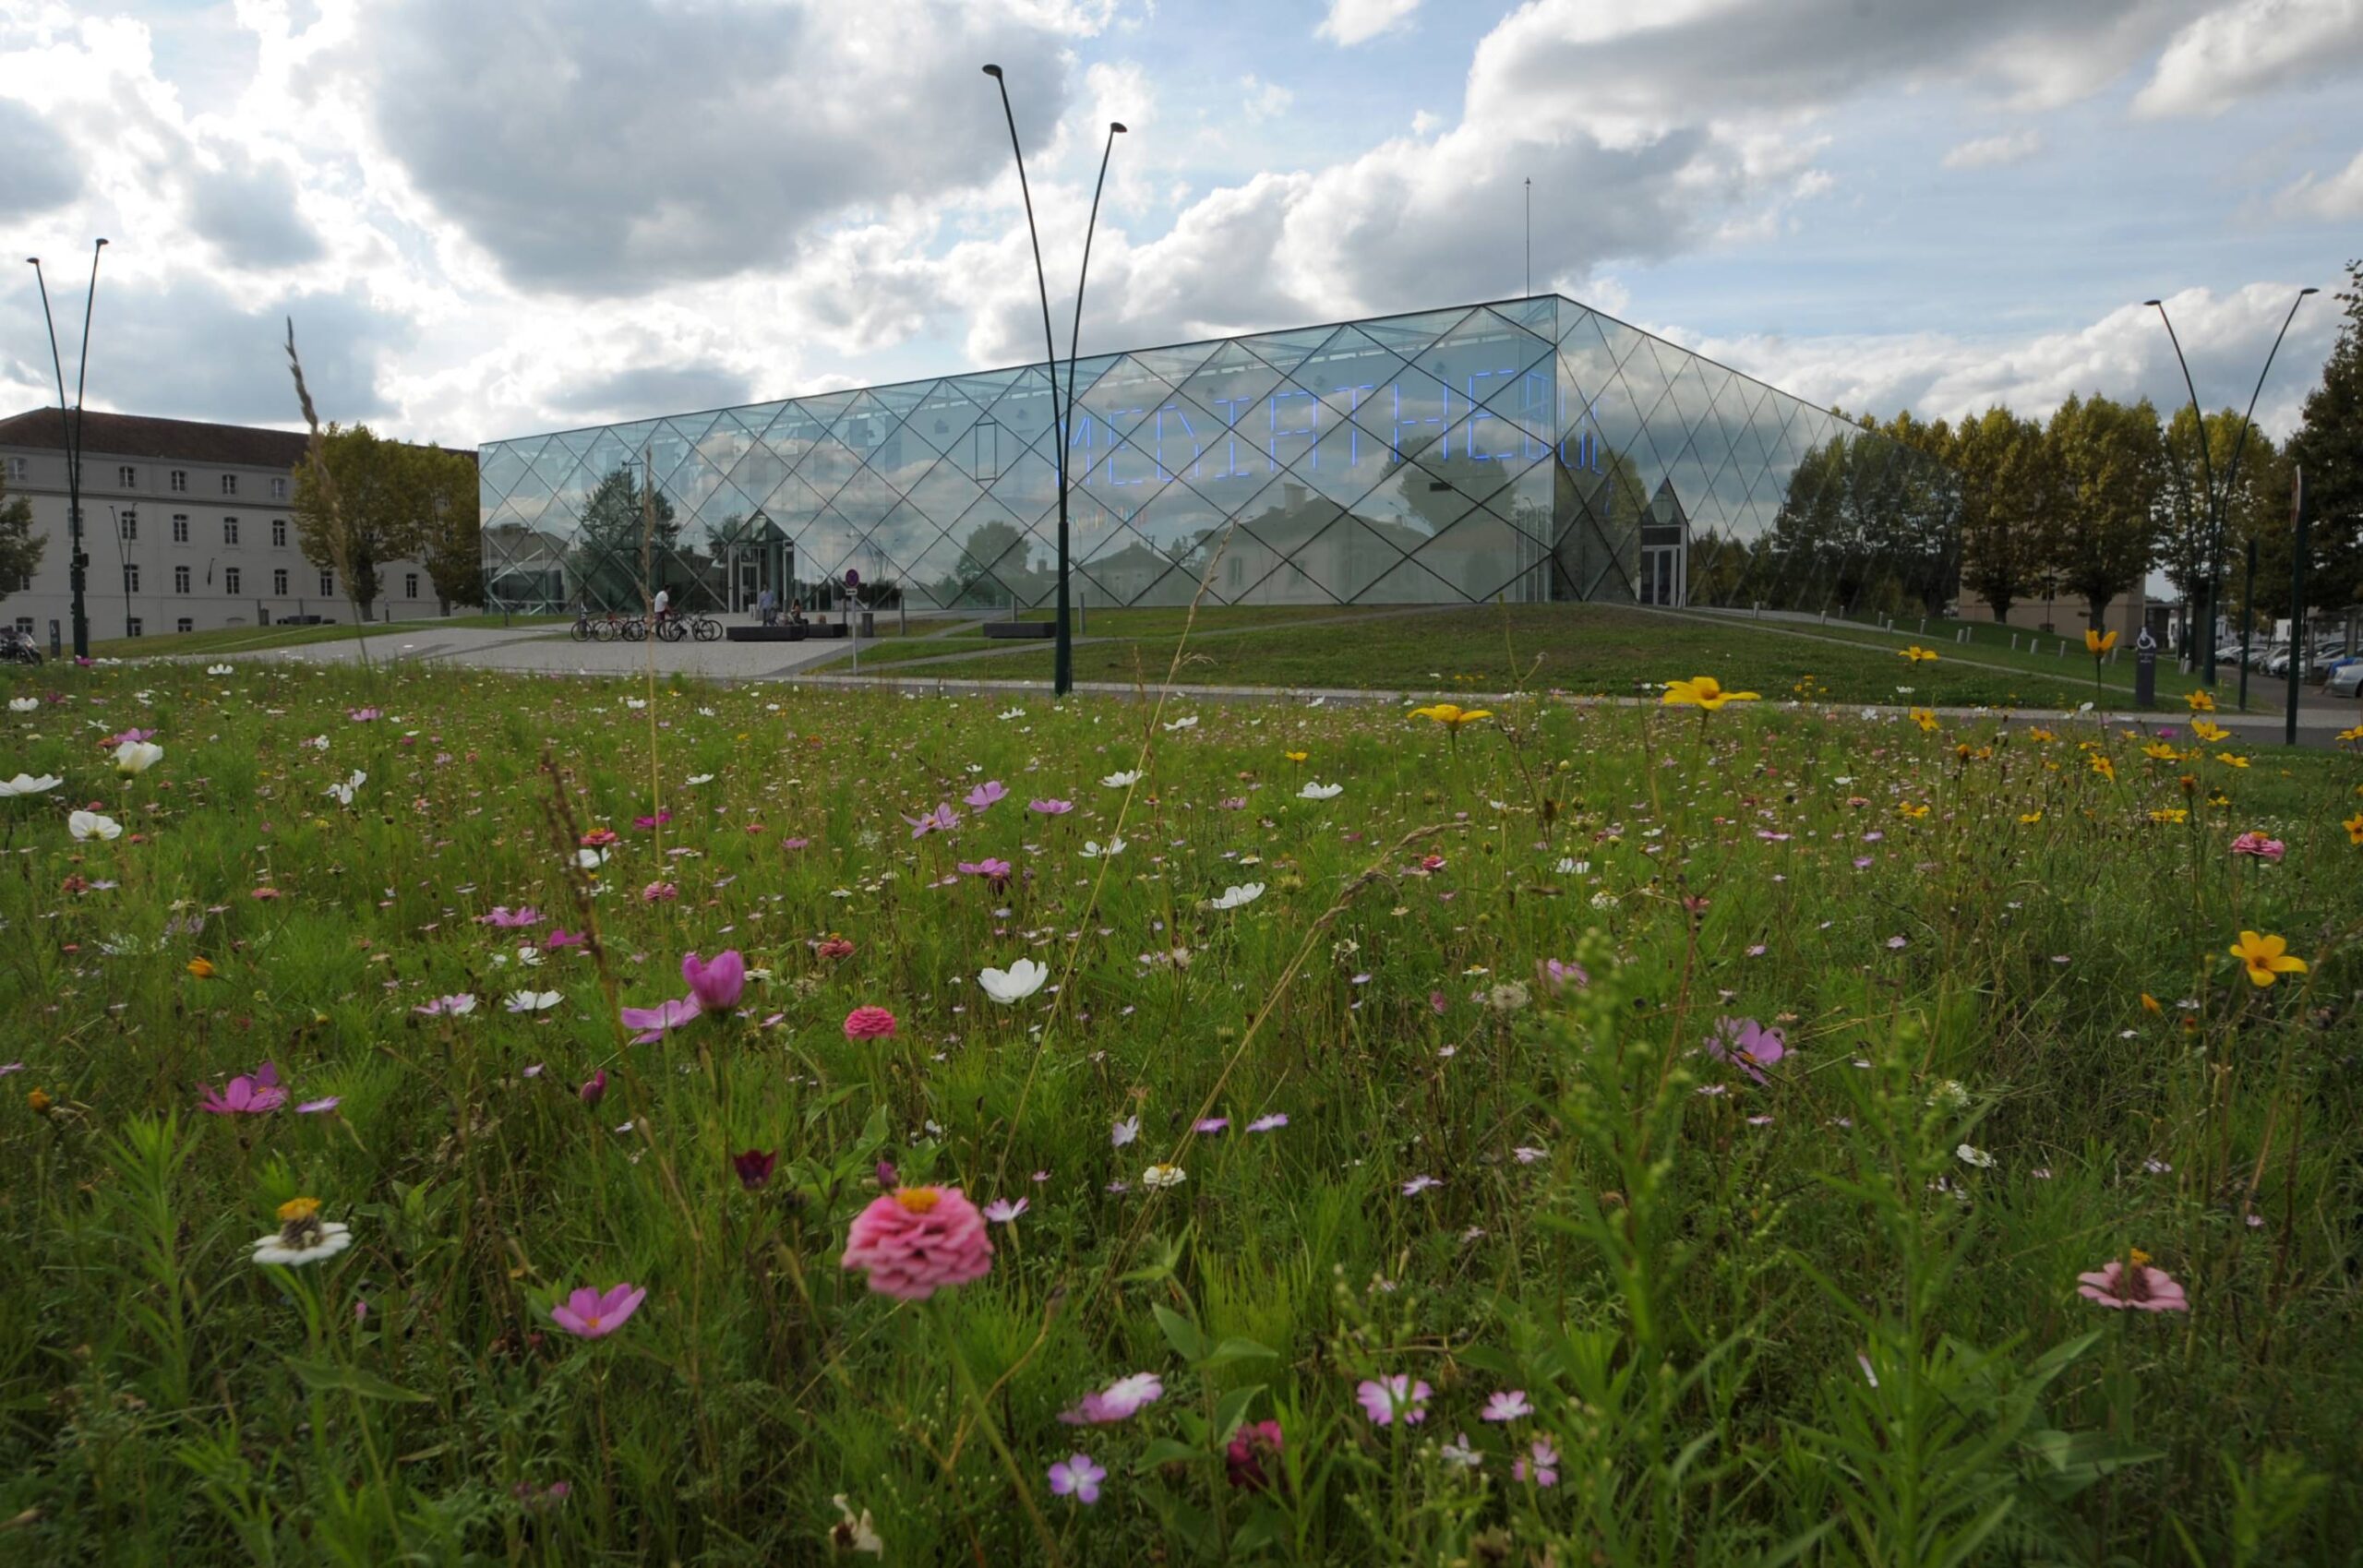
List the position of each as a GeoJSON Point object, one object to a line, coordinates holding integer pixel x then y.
{"type": "Point", "coordinates": [765, 606]}
{"type": "Point", "coordinates": [663, 605]}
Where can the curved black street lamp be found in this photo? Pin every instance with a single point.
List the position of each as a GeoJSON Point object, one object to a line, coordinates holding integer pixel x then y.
{"type": "Point", "coordinates": [78, 561]}
{"type": "Point", "coordinates": [1062, 412]}
{"type": "Point", "coordinates": [2217, 501]}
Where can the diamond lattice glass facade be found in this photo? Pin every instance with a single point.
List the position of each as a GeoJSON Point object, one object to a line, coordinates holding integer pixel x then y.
{"type": "Point", "coordinates": [1531, 449]}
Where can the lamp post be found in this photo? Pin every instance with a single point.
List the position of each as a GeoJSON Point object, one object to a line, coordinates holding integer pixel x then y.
{"type": "Point", "coordinates": [78, 561]}
{"type": "Point", "coordinates": [1062, 412]}
{"type": "Point", "coordinates": [2217, 501]}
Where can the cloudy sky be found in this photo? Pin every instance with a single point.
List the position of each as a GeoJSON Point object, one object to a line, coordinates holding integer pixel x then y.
{"type": "Point", "coordinates": [493, 217]}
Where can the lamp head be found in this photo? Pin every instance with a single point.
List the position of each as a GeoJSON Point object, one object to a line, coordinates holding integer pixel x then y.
{"type": "Point", "coordinates": [2154, 302]}
{"type": "Point", "coordinates": [2303, 292]}
{"type": "Point", "coordinates": [993, 71]}
{"type": "Point", "coordinates": [1116, 128]}
{"type": "Point", "coordinates": [32, 260]}
{"type": "Point", "coordinates": [100, 245]}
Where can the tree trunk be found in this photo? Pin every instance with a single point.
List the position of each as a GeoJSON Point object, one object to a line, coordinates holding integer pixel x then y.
{"type": "Point", "coordinates": [2001, 608]}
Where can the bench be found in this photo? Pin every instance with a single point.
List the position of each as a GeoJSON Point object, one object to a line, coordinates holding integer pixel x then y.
{"type": "Point", "coordinates": [1021, 628]}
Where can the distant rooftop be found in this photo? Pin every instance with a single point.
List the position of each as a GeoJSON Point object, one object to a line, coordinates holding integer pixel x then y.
{"type": "Point", "coordinates": [140, 436]}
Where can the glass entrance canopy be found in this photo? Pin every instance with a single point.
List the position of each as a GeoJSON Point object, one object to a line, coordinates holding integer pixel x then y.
{"type": "Point", "coordinates": [1529, 448]}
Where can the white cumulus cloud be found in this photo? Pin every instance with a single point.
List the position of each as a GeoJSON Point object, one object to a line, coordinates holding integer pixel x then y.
{"type": "Point", "coordinates": [1995, 151]}
{"type": "Point", "coordinates": [2243, 49]}
{"type": "Point", "coordinates": [1357, 21]}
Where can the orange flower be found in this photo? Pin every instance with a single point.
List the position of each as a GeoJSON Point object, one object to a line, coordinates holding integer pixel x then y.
{"type": "Point", "coordinates": [1702, 691]}
{"type": "Point", "coordinates": [1920, 655]}
{"type": "Point", "coordinates": [2098, 643]}
{"type": "Point", "coordinates": [2266, 958]}
{"type": "Point", "coordinates": [201, 968]}
{"type": "Point", "coordinates": [2354, 826]}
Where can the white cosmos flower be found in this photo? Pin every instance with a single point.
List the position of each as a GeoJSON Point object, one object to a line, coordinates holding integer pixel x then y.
{"type": "Point", "coordinates": [1233, 898]}
{"type": "Point", "coordinates": [1124, 1132]}
{"type": "Point", "coordinates": [696, 779]}
{"type": "Point", "coordinates": [1018, 982]}
{"type": "Point", "coordinates": [24, 783]}
{"type": "Point", "coordinates": [532, 1001]}
{"type": "Point", "coordinates": [1012, 713]}
{"type": "Point", "coordinates": [1187, 722]}
{"type": "Point", "coordinates": [590, 859]}
{"type": "Point", "coordinates": [23, 704]}
{"type": "Point", "coordinates": [1159, 1177]}
{"type": "Point", "coordinates": [88, 825]}
{"type": "Point", "coordinates": [531, 957]}
{"type": "Point", "coordinates": [1122, 781]}
{"type": "Point", "coordinates": [1978, 1158]}
{"type": "Point", "coordinates": [137, 757]}
{"type": "Point", "coordinates": [635, 702]}
{"type": "Point", "coordinates": [344, 792]}
{"type": "Point", "coordinates": [1091, 850]}
{"type": "Point", "coordinates": [303, 1236]}
{"type": "Point", "coordinates": [1315, 790]}
{"type": "Point", "coordinates": [221, 670]}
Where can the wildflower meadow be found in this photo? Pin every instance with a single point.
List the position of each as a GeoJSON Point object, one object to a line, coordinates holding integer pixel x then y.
{"type": "Point", "coordinates": [452, 1118]}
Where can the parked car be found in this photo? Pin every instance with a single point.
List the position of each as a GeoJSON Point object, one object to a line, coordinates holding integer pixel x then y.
{"type": "Point", "coordinates": [2346, 678]}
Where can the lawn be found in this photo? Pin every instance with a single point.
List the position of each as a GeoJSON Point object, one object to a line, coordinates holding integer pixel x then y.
{"type": "Point", "coordinates": [1579, 648]}
{"type": "Point", "coordinates": [252, 639]}
{"type": "Point", "coordinates": [462, 1119]}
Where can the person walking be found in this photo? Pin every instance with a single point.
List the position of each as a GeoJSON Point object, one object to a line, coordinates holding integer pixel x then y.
{"type": "Point", "coordinates": [766, 607]}
{"type": "Point", "coordinates": [663, 605]}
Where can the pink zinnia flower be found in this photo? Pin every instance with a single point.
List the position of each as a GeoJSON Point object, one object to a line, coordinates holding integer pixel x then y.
{"type": "Point", "coordinates": [2263, 848]}
{"type": "Point", "coordinates": [247, 1096]}
{"type": "Point", "coordinates": [1386, 1399]}
{"type": "Point", "coordinates": [1119, 1401]}
{"type": "Point", "coordinates": [870, 1024]}
{"type": "Point", "coordinates": [915, 1240]}
{"type": "Point", "coordinates": [716, 984]}
{"type": "Point", "coordinates": [2143, 1289]}
{"type": "Point", "coordinates": [588, 1314]}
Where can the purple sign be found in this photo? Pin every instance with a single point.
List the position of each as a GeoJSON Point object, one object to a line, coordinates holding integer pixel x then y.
{"type": "Point", "coordinates": [853, 578]}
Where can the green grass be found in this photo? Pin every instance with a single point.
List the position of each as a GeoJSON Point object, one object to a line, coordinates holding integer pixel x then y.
{"type": "Point", "coordinates": [253, 638]}
{"type": "Point", "coordinates": [1579, 648]}
{"type": "Point", "coordinates": [1819, 1308]}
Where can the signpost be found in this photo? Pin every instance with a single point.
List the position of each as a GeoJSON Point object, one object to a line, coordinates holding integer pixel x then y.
{"type": "Point", "coordinates": [2145, 669]}
{"type": "Point", "coordinates": [853, 580]}
{"type": "Point", "coordinates": [2297, 648]}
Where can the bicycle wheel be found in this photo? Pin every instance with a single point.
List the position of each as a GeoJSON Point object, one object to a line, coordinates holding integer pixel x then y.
{"type": "Point", "coordinates": [707, 630]}
{"type": "Point", "coordinates": [672, 630]}
{"type": "Point", "coordinates": [584, 630]}
{"type": "Point", "coordinates": [634, 629]}
{"type": "Point", "coordinates": [607, 631]}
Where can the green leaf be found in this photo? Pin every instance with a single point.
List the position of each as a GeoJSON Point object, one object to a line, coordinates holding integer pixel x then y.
{"type": "Point", "coordinates": [1233, 1410]}
{"type": "Point", "coordinates": [326, 1376]}
{"type": "Point", "coordinates": [1165, 1451]}
{"type": "Point", "coordinates": [1181, 1334]}
{"type": "Point", "coordinates": [1232, 1350]}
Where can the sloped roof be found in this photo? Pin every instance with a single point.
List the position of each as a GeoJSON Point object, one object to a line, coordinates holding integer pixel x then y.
{"type": "Point", "coordinates": [140, 436]}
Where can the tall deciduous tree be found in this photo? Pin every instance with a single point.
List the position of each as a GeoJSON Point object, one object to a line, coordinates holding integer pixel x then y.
{"type": "Point", "coordinates": [2111, 463]}
{"type": "Point", "coordinates": [2328, 447]}
{"type": "Point", "coordinates": [451, 538]}
{"type": "Point", "coordinates": [20, 547]}
{"type": "Point", "coordinates": [394, 502]}
{"type": "Point", "coordinates": [2002, 534]}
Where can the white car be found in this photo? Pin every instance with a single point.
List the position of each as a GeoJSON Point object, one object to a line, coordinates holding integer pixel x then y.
{"type": "Point", "coordinates": [2346, 679]}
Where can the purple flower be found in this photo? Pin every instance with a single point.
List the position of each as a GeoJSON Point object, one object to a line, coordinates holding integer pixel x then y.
{"type": "Point", "coordinates": [715, 984]}
{"type": "Point", "coordinates": [247, 1096]}
{"type": "Point", "coordinates": [1543, 1471]}
{"type": "Point", "coordinates": [1267, 1123]}
{"type": "Point", "coordinates": [589, 1315]}
{"type": "Point", "coordinates": [995, 872]}
{"type": "Point", "coordinates": [1559, 976]}
{"type": "Point", "coordinates": [1386, 1399]}
{"type": "Point", "coordinates": [1119, 1401]}
{"type": "Point", "coordinates": [1747, 1045]}
{"type": "Point", "coordinates": [1051, 808]}
{"type": "Point", "coordinates": [1210, 1124]}
{"type": "Point", "coordinates": [1000, 1211]}
{"type": "Point", "coordinates": [1077, 1478]}
{"type": "Point", "coordinates": [985, 793]}
{"type": "Point", "coordinates": [1508, 1405]}
{"type": "Point", "coordinates": [313, 1107]}
{"type": "Point", "coordinates": [1420, 1184]}
{"type": "Point", "coordinates": [505, 917]}
{"type": "Point", "coordinates": [754, 1167]}
{"type": "Point", "coordinates": [942, 820]}
{"type": "Point", "coordinates": [595, 1088]}
{"type": "Point", "coordinates": [653, 1021]}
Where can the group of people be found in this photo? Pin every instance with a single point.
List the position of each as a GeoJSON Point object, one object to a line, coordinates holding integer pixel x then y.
{"type": "Point", "coordinates": [767, 609]}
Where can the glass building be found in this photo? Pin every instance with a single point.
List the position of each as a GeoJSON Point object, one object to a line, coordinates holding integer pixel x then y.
{"type": "Point", "coordinates": [1531, 449]}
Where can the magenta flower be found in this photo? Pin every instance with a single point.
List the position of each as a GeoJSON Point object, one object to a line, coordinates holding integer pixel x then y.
{"type": "Point", "coordinates": [362, 715]}
{"type": "Point", "coordinates": [1078, 1478]}
{"type": "Point", "coordinates": [995, 872]}
{"type": "Point", "coordinates": [942, 820]}
{"type": "Point", "coordinates": [504, 916]}
{"type": "Point", "coordinates": [1543, 1471]}
{"type": "Point", "coordinates": [591, 1315]}
{"type": "Point", "coordinates": [1558, 976]}
{"type": "Point", "coordinates": [1746, 1044]}
{"type": "Point", "coordinates": [1386, 1399]}
{"type": "Point", "coordinates": [985, 793]}
{"type": "Point", "coordinates": [917, 1240]}
{"type": "Point", "coordinates": [1051, 808]}
{"type": "Point", "coordinates": [659, 820]}
{"type": "Point", "coordinates": [595, 1088]}
{"type": "Point", "coordinates": [1508, 1405]}
{"type": "Point", "coordinates": [2141, 1289]}
{"type": "Point", "coordinates": [1248, 1448]}
{"type": "Point", "coordinates": [870, 1024]}
{"type": "Point", "coordinates": [2262, 847]}
{"type": "Point", "coordinates": [754, 1167]}
{"type": "Point", "coordinates": [247, 1096]}
{"type": "Point", "coordinates": [1120, 1401]}
{"type": "Point", "coordinates": [659, 893]}
{"type": "Point", "coordinates": [653, 1021]}
{"type": "Point", "coordinates": [715, 984]}
{"type": "Point", "coordinates": [560, 936]}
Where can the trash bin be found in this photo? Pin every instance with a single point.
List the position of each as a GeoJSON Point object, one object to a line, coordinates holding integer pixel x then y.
{"type": "Point", "coordinates": [869, 623]}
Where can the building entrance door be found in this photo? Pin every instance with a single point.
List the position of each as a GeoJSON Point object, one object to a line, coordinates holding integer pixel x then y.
{"type": "Point", "coordinates": [1661, 574]}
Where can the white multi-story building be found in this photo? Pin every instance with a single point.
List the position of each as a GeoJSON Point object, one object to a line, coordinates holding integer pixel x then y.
{"type": "Point", "coordinates": [188, 527]}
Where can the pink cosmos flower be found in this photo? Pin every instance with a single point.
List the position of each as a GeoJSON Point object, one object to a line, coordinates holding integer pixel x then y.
{"type": "Point", "coordinates": [1508, 1405]}
{"type": "Point", "coordinates": [1278, 1119]}
{"type": "Point", "coordinates": [1121, 1400]}
{"type": "Point", "coordinates": [942, 820]}
{"type": "Point", "coordinates": [453, 1006]}
{"type": "Point", "coordinates": [659, 820]}
{"type": "Point", "coordinates": [653, 1021]}
{"type": "Point", "coordinates": [1000, 1211]}
{"type": "Point", "coordinates": [313, 1107]}
{"type": "Point", "coordinates": [715, 984]}
{"type": "Point", "coordinates": [588, 1314]}
{"type": "Point", "coordinates": [1078, 1477]}
{"type": "Point", "coordinates": [1543, 1471]}
{"type": "Point", "coordinates": [995, 872]}
{"type": "Point", "coordinates": [2260, 846]}
{"type": "Point", "coordinates": [1746, 1044]}
{"type": "Point", "coordinates": [659, 893]}
{"type": "Point", "coordinates": [362, 715]}
{"type": "Point", "coordinates": [595, 1088]}
{"type": "Point", "coordinates": [1386, 1399]}
{"type": "Point", "coordinates": [560, 936]}
{"type": "Point", "coordinates": [1558, 976]}
{"type": "Point", "coordinates": [917, 1240]}
{"type": "Point", "coordinates": [1210, 1125]}
{"type": "Point", "coordinates": [870, 1024]}
{"type": "Point", "coordinates": [985, 793]}
{"type": "Point", "coordinates": [502, 916]}
{"type": "Point", "coordinates": [247, 1096]}
{"type": "Point", "coordinates": [2144, 1289]}
{"type": "Point", "coordinates": [1051, 808]}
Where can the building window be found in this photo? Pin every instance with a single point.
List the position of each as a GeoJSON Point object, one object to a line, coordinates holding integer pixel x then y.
{"type": "Point", "coordinates": [25, 625]}
{"type": "Point", "coordinates": [180, 479]}
{"type": "Point", "coordinates": [328, 584]}
{"type": "Point", "coordinates": [185, 624]}
{"type": "Point", "coordinates": [988, 449]}
{"type": "Point", "coordinates": [230, 581]}
{"type": "Point", "coordinates": [180, 528]}
{"type": "Point", "coordinates": [279, 489]}
{"type": "Point", "coordinates": [229, 483]}
{"type": "Point", "coordinates": [279, 582]}
{"type": "Point", "coordinates": [409, 585]}
{"type": "Point", "coordinates": [131, 579]}
{"type": "Point", "coordinates": [126, 476]}
{"type": "Point", "coordinates": [279, 532]}
{"type": "Point", "coordinates": [132, 626]}
{"type": "Point", "coordinates": [229, 531]}
{"type": "Point", "coordinates": [18, 468]}
{"type": "Point", "coordinates": [126, 523]}
{"type": "Point", "coordinates": [180, 580]}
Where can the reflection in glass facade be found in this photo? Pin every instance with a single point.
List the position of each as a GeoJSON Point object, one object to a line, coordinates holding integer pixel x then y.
{"type": "Point", "coordinates": [1531, 449]}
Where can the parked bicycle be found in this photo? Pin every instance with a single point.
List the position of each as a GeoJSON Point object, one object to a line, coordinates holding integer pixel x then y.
{"type": "Point", "coordinates": [18, 648]}
{"type": "Point", "coordinates": [705, 629]}
{"type": "Point", "coordinates": [589, 627]}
